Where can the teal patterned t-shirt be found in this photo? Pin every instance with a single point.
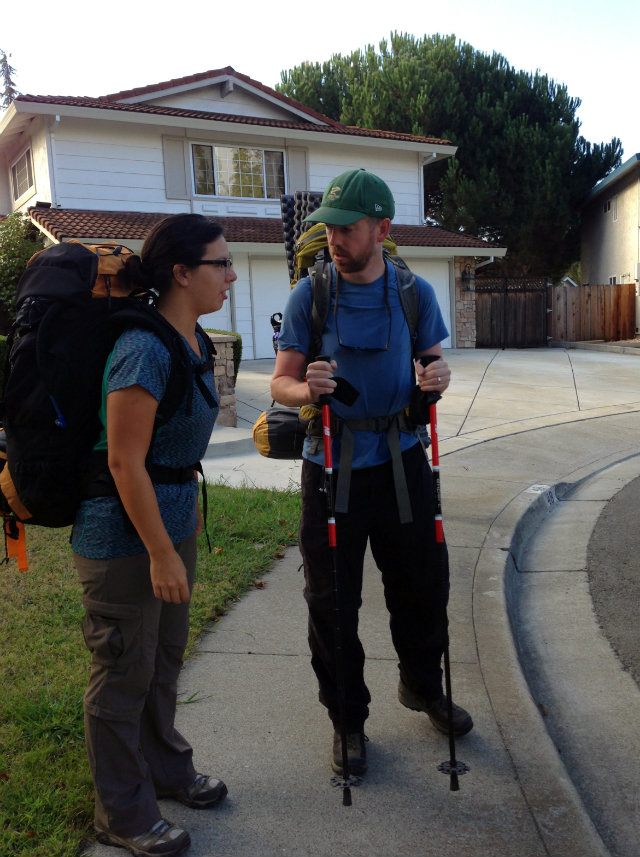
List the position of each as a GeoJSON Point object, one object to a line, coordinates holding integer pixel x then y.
{"type": "Point", "coordinates": [101, 529]}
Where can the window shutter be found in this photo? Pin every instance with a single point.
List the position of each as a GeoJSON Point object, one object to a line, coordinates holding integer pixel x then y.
{"type": "Point", "coordinates": [296, 170]}
{"type": "Point", "coordinates": [175, 172]}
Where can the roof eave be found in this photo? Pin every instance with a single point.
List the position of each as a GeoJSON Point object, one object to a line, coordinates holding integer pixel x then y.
{"type": "Point", "coordinates": [413, 251]}
{"type": "Point", "coordinates": [613, 177]}
{"type": "Point", "coordinates": [79, 111]}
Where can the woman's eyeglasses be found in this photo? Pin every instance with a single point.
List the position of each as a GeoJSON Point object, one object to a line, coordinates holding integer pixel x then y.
{"type": "Point", "coordinates": [220, 263]}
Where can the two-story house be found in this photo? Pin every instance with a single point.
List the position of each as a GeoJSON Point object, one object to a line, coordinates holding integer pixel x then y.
{"type": "Point", "coordinates": [223, 145]}
{"type": "Point", "coordinates": [611, 230]}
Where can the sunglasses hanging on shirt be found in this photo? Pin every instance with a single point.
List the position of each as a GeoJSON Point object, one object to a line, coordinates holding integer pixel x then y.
{"type": "Point", "coordinates": [363, 329]}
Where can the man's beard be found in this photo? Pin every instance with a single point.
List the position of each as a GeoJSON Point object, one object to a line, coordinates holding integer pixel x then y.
{"type": "Point", "coordinates": [352, 264]}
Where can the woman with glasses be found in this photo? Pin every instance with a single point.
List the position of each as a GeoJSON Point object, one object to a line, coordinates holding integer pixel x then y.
{"type": "Point", "coordinates": [135, 551]}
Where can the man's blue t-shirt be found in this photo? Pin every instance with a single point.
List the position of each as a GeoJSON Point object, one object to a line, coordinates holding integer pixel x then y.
{"type": "Point", "coordinates": [383, 374]}
{"type": "Point", "coordinates": [101, 530]}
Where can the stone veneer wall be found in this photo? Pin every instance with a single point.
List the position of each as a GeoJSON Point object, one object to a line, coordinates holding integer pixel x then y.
{"type": "Point", "coordinates": [465, 307]}
{"type": "Point", "coordinates": [225, 385]}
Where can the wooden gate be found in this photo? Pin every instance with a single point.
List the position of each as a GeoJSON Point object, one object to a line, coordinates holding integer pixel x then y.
{"type": "Point", "coordinates": [511, 312]}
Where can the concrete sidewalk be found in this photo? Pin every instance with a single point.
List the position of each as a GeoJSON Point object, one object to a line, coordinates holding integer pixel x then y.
{"type": "Point", "coordinates": [534, 444]}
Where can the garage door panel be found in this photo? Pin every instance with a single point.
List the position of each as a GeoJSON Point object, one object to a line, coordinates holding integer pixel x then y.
{"type": "Point", "coordinates": [436, 272]}
{"type": "Point", "coordinates": [270, 289]}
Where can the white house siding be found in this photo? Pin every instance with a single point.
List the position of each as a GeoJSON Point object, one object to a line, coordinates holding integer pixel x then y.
{"type": "Point", "coordinates": [40, 151]}
{"type": "Point", "coordinates": [119, 167]}
{"type": "Point", "coordinates": [111, 166]}
{"type": "Point", "coordinates": [239, 102]}
{"type": "Point", "coordinates": [400, 170]}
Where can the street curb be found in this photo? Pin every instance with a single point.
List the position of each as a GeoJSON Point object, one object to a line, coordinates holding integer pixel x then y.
{"type": "Point", "coordinates": [229, 441]}
{"type": "Point", "coordinates": [557, 810]}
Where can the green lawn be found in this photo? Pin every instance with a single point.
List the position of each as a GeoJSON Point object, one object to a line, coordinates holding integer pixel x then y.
{"type": "Point", "coordinates": [46, 796]}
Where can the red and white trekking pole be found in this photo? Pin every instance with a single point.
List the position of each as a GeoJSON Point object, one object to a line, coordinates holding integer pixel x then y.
{"type": "Point", "coordinates": [451, 767]}
{"type": "Point", "coordinates": [346, 780]}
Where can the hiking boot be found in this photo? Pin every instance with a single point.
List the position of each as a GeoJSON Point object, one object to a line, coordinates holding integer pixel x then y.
{"type": "Point", "coordinates": [356, 753]}
{"type": "Point", "coordinates": [436, 711]}
{"type": "Point", "coordinates": [163, 840]}
{"type": "Point", "coordinates": [203, 793]}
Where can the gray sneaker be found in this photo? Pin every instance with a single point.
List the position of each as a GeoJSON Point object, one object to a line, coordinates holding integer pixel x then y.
{"type": "Point", "coordinates": [163, 840]}
{"type": "Point", "coordinates": [436, 711]}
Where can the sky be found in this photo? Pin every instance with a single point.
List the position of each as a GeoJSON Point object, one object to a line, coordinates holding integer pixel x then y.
{"type": "Point", "coordinates": [587, 45]}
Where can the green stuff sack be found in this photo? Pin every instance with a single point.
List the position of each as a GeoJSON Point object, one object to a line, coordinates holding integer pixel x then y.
{"type": "Point", "coordinates": [280, 432]}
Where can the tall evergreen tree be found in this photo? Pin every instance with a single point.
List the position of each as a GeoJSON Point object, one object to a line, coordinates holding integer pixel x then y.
{"type": "Point", "coordinates": [522, 168]}
{"type": "Point", "coordinates": [9, 91]}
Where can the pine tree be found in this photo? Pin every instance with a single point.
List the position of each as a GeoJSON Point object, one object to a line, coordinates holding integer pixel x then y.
{"type": "Point", "coordinates": [522, 170]}
{"type": "Point", "coordinates": [9, 91]}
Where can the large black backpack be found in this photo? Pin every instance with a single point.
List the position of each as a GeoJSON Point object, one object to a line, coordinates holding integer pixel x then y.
{"type": "Point", "coordinates": [70, 312]}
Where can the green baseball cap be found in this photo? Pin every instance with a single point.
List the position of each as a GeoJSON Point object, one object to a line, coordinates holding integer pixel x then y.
{"type": "Point", "coordinates": [352, 196]}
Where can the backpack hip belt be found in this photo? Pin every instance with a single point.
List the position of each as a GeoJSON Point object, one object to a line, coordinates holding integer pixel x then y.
{"type": "Point", "coordinates": [391, 425]}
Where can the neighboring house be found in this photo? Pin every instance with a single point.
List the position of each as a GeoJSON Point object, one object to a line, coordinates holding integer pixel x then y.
{"type": "Point", "coordinates": [223, 145]}
{"type": "Point", "coordinates": [610, 224]}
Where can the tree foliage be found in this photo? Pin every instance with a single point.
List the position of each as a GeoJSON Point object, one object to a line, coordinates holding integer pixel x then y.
{"type": "Point", "coordinates": [9, 90]}
{"type": "Point", "coordinates": [522, 169]}
{"type": "Point", "coordinates": [19, 240]}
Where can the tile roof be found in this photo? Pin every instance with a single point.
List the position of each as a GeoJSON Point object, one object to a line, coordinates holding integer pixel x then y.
{"type": "Point", "coordinates": [122, 225]}
{"type": "Point", "coordinates": [284, 124]}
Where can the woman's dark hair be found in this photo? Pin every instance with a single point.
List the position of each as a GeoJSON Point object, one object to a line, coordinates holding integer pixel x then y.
{"type": "Point", "coordinates": [177, 240]}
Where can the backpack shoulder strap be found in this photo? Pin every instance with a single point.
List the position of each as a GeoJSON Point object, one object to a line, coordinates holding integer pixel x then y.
{"type": "Point", "coordinates": [320, 276]}
{"type": "Point", "coordinates": [208, 344]}
{"type": "Point", "coordinates": [207, 365]}
{"type": "Point", "coordinates": [407, 292]}
{"type": "Point", "coordinates": [134, 313]}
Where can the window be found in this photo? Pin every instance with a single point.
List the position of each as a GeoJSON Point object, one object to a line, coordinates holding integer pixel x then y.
{"type": "Point", "coordinates": [236, 172]}
{"type": "Point", "coordinates": [606, 208]}
{"type": "Point", "coordinates": [612, 281]}
{"type": "Point", "coordinates": [22, 175]}
{"type": "Point", "coordinates": [614, 208]}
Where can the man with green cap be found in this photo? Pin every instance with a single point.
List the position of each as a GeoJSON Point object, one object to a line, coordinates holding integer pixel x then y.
{"type": "Point", "coordinates": [368, 339]}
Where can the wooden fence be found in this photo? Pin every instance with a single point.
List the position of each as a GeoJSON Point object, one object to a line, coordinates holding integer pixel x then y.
{"type": "Point", "coordinates": [585, 313]}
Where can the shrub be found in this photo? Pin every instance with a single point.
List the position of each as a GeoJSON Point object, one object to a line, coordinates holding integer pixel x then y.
{"type": "Point", "coordinates": [19, 240]}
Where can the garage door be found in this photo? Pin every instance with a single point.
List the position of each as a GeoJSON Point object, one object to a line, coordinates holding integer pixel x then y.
{"type": "Point", "coordinates": [436, 272]}
{"type": "Point", "coordinates": [269, 292]}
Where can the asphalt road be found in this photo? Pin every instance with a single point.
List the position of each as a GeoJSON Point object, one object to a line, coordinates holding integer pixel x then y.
{"type": "Point", "coordinates": [613, 560]}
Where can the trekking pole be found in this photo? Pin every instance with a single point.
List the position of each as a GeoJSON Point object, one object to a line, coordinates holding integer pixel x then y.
{"type": "Point", "coordinates": [452, 766]}
{"type": "Point", "coordinates": [346, 781]}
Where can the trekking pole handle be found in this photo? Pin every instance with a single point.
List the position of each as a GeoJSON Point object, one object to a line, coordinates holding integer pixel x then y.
{"type": "Point", "coordinates": [325, 399]}
{"type": "Point", "coordinates": [344, 392]}
{"type": "Point", "coordinates": [432, 396]}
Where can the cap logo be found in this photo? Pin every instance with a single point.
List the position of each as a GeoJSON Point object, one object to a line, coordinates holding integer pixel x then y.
{"type": "Point", "coordinates": [378, 206]}
{"type": "Point", "coordinates": [334, 193]}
